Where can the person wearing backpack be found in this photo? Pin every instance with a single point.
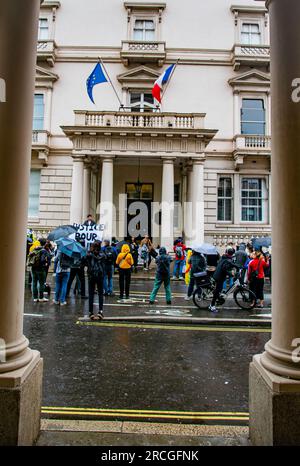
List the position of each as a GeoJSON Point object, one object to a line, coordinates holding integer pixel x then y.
{"type": "Point", "coordinates": [135, 253]}
{"type": "Point", "coordinates": [256, 276]}
{"type": "Point", "coordinates": [163, 261]}
{"type": "Point", "coordinates": [39, 260]}
{"type": "Point", "coordinates": [95, 266]}
{"type": "Point", "coordinates": [110, 258]}
{"type": "Point", "coordinates": [225, 267]}
{"type": "Point", "coordinates": [179, 250]}
{"type": "Point", "coordinates": [62, 269]}
{"type": "Point", "coordinates": [125, 262]}
{"type": "Point", "coordinates": [197, 263]}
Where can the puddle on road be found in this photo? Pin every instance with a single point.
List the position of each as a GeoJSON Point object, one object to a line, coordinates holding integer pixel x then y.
{"type": "Point", "coordinates": [169, 312]}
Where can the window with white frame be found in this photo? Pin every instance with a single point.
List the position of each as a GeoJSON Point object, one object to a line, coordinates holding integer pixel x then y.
{"type": "Point", "coordinates": [253, 199]}
{"type": "Point", "coordinates": [253, 117]}
{"type": "Point", "coordinates": [34, 193]}
{"type": "Point", "coordinates": [144, 29]}
{"type": "Point", "coordinates": [250, 34]}
{"type": "Point", "coordinates": [43, 29]}
{"type": "Point", "coordinates": [38, 112]}
{"type": "Point", "coordinates": [225, 199]}
{"type": "Point", "coordinates": [141, 102]}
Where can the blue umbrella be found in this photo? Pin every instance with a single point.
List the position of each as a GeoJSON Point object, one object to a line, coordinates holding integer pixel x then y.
{"type": "Point", "coordinates": [206, 248]}
{"type": "Point", "coordinates": [61, 232]}
{"type": "Point", "coordinates": [71, 248]}
{"type": "Point", "coordinates": [265, 241]}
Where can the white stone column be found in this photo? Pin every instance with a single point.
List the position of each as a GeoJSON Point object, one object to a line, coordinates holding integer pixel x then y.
{"type": "Point", "coordinates": [77, 191]}
{"type": "Point", "coordinates": [236, 114]}
{"type": "Point", "coordinates": [106, 197]}
{"type": "Point", "coordinates": [167, 204]}
{"type": "Point", "coordinates": [187, 209]}
{"type": "Point", "coordinates": [236, 199]}
{"type": "Point", "coordinates": [198, 200]}
{"type": "Point", "coordinates": [86, 192]}
{"type": "Point", "coordinates": [275, 375]}
{"type": "Point", "coordinates": [20, 367]}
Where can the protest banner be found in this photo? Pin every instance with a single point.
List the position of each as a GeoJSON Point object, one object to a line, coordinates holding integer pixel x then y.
{"type": "Point", "coordinates": [88, 234]}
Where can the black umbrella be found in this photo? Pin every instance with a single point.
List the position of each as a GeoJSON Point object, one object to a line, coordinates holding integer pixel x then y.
{"type": "Point", "coordinates": [61, 232]}
{"type": "Point", "coordinates": [120, 244]}
{"type": "Point", "coordinates": [262, 242]}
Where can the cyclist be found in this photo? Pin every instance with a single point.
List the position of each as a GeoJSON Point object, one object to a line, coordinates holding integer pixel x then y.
{"type": "Point", "coordinates": [224, 267]}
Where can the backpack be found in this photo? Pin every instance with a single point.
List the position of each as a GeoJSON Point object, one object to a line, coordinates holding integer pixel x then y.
{"type": "Point", "coordinates": [254, 273]}
{"type": "Point", "coordinates": [164, 265]}
{"type": "Point", "coordinates": [144, 252]}
{"type": "Point", "coordinates": [66, 261]}
{"type": "Point", "coordinates": [34, 258]}
{"type": "Point", "coordinates": [179, 252]}
{"type": "Point", "coordinates": [109, 255]}
{"type": "Point", "coordinates": [96, 265]}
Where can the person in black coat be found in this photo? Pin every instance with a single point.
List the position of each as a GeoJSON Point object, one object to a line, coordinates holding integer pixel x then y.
{"type": "Point", "coordinates": [89, 221]}
{"type": "Point", "coordinates": [95, 263]}
{"type": "Point", "coordinates": [224, 267]}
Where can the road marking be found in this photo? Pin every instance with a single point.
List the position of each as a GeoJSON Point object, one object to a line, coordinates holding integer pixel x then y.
{"type": "Point", "coordinates": [176, 327]}
{"type": "Point", "coordinates": [147, 414]}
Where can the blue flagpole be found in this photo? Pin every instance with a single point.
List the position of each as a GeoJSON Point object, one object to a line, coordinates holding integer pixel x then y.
{"type": "Point", "coordinates": [108, 77]}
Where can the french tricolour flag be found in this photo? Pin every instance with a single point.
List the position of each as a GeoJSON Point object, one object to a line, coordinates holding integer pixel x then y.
{"type": "Point", "coordinates": [160, 82]}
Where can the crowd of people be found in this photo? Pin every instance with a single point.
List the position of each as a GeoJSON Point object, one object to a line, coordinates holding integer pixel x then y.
{"type": "Point", "coordinates": [105, 259]}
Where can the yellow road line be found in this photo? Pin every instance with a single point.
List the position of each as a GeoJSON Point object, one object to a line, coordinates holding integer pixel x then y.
{"type": "Point", "coordinates": [177, 327]}
{"type": "Point", "coordinates": [146, 411]}
{"type": "Point", "coordinates": [146, 416]}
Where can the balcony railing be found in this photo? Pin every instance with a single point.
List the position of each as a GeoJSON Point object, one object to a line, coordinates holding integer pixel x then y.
{"type": "Point", "coordinates": [40, 138]}
{"type": "Point", "coordinates": [147, 51]}
{"type": "Point", "coordinates": [46, 51]}
{"type": "Point", "coordinates": [250, 55]}
{"type": "Point", "coordinates": [153, 120]}
{"type": "Point", "coordinates": [252, 142]}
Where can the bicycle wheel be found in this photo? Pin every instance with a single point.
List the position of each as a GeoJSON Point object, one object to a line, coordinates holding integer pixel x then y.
{"type": "Point", "coordinates": [202, 297]}
{"type": "Point", "coordinates": [244, 298]}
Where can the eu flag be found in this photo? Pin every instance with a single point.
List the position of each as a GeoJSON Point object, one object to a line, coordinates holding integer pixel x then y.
{"type": "Point", "coordinates": [96, 77]}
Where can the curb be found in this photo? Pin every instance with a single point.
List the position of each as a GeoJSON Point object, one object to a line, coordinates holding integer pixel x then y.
{"type": "Point", "coordinates": [265, 323]}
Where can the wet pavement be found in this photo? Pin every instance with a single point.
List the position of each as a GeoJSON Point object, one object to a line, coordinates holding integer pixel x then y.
{"type": "Point", "coordinates": [137, 370]}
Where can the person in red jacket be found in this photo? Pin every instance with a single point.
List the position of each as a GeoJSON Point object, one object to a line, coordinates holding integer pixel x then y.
{"type": "Point", "coordinates": [179, 249]}
{"type": "Point", "coordinates": [256, 276]}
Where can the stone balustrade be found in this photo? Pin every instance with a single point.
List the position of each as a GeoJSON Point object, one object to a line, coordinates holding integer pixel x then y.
{"type": "Point", "coordinates": [253, 142]}
{"type": "Point", "coordinates": [155, 120]}
{"type": "Point", "coordinates": [250, 55]}
{"type": "Point", "coordinates": [133, 51]}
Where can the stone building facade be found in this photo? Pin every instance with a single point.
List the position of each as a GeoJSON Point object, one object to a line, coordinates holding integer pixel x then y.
{"type": "Point", "coordinates": [207, 147]}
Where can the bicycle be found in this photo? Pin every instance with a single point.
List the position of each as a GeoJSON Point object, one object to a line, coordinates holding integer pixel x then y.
{"type": "Point", "coordinates": [202, 296]}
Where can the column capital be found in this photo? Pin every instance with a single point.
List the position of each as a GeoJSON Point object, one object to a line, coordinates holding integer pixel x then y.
{"type": "Point", "coordinates": [108, 158]}
{"type": "Point", "coordinates": [78, 158]}
{"type": "Point", "coordinates": [167, 159]}
{"type": "Point", "coordinates": [198, 160]}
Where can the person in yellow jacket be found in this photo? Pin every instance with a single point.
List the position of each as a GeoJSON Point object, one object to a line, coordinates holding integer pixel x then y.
{"type": "Point", "coordinates": [188, 267]}
{"type": "Point", "coordinates": [125, 262]}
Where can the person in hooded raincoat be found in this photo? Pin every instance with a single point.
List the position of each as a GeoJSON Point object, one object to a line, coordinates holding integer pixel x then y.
{"type": "Point", "coordinates": [163, 261]}
{"type": "Point", "coordinates": [125, 262]}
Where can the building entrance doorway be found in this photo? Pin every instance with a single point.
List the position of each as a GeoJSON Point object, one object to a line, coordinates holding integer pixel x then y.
{"type": "Point", "coordinates": [139, 200]}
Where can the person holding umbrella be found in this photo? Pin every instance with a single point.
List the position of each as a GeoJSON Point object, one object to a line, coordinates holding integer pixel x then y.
{"type": "Point", "coordinates": [62, 274]}
{"type": "Point", "coordinates": [68, 252]}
